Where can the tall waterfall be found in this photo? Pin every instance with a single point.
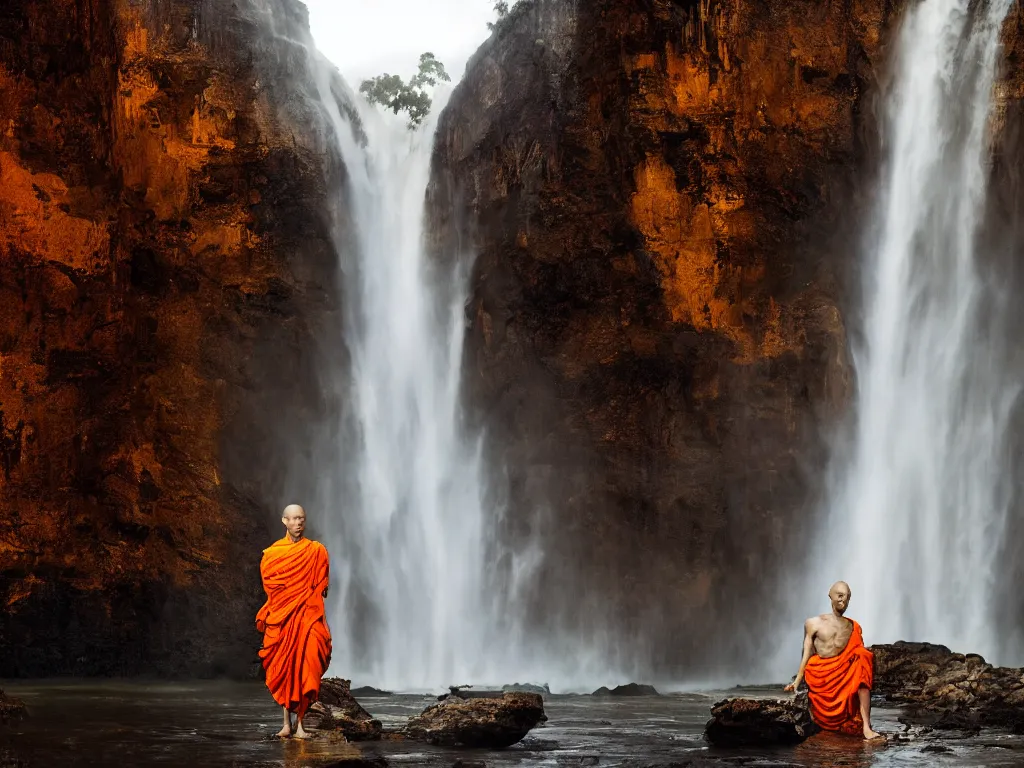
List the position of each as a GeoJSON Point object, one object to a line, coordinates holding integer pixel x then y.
{"type": "Point", "coordinates": [417, 601]}
{"type": "Point", "coordinates": [920, 502]}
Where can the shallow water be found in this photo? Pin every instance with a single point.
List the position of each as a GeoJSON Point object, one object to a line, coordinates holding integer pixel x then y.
{"type": "Point", "coordinates": [228, 724]}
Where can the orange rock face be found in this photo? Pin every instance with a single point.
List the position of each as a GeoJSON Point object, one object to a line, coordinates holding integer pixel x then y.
{"type": "Point", "coordinates": [661, 193]}
{"type": "Point", "coordinates": [163, 252]}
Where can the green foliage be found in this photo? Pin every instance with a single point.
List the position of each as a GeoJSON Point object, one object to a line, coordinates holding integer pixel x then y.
{"type": "Point", "coordinates": [398, 96]}
{"type": "Point", "coordinates": [431, 71]}
{"type": "Point", "coordinates": [501, 9]}
{"type": "Point", "coordinates": [506, 13]}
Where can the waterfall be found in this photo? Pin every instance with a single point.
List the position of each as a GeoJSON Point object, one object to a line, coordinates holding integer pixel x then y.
{"type": "Point", "coordinates": [920, 500]}
{"type": "Point", "coordinates": [417, 601]}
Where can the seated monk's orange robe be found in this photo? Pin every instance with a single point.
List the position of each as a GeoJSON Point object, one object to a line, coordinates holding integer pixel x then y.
{"type": "Point", "coordinates": [832, 685]}
{"type": "Point", "coordinates": [296, 641]}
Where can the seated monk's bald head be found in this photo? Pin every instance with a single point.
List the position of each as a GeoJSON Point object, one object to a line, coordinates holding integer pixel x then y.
{"type": "Point", "coordinates": [294, 519]}
{"type": "Point", "coordinates": [839, 594]}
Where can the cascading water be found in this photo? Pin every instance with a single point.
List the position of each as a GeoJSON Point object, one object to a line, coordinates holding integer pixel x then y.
{"type": "Point", "coordinates": [417, 603]}
{"type": "Point", "coordinates": [919, 506]}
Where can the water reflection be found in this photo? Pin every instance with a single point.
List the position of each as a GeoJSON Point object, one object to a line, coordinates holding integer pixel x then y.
{"type": "Point", "coordinates": [316, 752]}
{"type": "Point", "coordinates": [839, 750]}
{"type": "Point", "coordinates": [136, 725]}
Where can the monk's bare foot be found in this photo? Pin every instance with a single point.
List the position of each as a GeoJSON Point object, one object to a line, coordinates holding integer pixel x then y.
{"type": "Point", "coordinates": [300, 734]}
{"type": "Point", "coordinates": [869, 734]}
{"type": "Point", "coordinates": [284, 733]}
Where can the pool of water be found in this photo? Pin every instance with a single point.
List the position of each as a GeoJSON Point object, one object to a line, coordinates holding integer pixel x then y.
{"type": "Point", "coordinates": [212, 723]}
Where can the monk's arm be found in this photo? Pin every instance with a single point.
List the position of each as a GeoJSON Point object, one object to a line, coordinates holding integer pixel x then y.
{"type": "Point", "coordinates": [808, 652]}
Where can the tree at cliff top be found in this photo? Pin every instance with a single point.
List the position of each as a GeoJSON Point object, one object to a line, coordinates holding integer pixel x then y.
{"type": "Point", "coordinates": [502, 9]}
{"type": "Point", "coordinates": [412, 97]}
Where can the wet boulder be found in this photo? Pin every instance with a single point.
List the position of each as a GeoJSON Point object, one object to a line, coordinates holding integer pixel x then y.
{"type": "Point", "coordinates": [491, 723]}
{"type": "Point", "coordinates": [10, 708]}
{"type": "Point", "coordinates": [950, 690]}
{"type": "Point", "coordinates": [759, 722]}
{"type": "Point", "coordinates": [337, 710]}
{"type": "Point", "coordinates": [902, 669]}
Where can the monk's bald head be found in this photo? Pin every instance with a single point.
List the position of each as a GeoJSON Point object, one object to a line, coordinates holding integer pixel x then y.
{"type": "Point", "coordinates": [294, 519]}
{"type": "Point", "coordinates": [839, 594]}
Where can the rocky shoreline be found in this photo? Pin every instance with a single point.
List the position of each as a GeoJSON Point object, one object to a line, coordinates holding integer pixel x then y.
{"type": "Point", "coordinates": [927, 698]}
{"type": "Point", "coordinates": [950, 690]}
{"type": "Point", "coordinates": [945, 699]}
{"type": "Point", "coordinates": [114, 723]}
{"type": "Point", "coordinates": [939, 689]}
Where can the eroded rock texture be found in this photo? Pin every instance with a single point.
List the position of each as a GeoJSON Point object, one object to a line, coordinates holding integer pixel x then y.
{"type": "Point", "coordinates": [1002, 242]}
{"type": "Point", "coordinates": [760, 722]}
{"type": "Point", "coordinates": [953, 690]}
{"type": "Point", "coordinates": [660, 196]}
{"type": "Point", "coordinates": [164, 256]}
{"type": "Point", "coordinates": [487, 723]}
{"type": "Point", "coordinates": [337, 709]}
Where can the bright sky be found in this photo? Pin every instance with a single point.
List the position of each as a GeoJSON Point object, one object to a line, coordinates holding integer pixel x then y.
{"type": "Point", "coordinates": [368, 37]}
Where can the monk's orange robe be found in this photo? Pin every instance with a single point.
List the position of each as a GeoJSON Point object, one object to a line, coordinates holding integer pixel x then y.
{"type": "Point", "coordinates": [296, 640]}
{"type": "Point", "coordinates": [832, 685]}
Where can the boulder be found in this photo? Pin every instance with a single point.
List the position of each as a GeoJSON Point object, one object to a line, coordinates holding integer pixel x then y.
{"type": "Point", "coordinates": [903, 668]}
{"type": "Point", "coordinates": [950, 690]}
{"type": "Point", "coordinates": [337, 710]}
{"type": "Point", "coordinates": [491, 723]}
{"type": "Point", "coordinates": [337, 693]}
{"type": "Point", "coordinates": [744, 722]}
{"type": "Point", "coordinates": [11, 708]}
{"type": "Point", "coordinates": [630, 689]}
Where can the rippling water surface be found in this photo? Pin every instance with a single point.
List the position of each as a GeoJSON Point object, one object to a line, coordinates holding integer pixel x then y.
{"type": "Point", "coordinates": [228, 724]}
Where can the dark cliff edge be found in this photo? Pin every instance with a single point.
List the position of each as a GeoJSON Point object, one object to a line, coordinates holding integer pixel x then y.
{"type": "Point", "coordinates": [1003, 245]}
{"type": "Point", "coordinates": [662, 196]}
{"type": "Point", "coordinates": [166, 261]}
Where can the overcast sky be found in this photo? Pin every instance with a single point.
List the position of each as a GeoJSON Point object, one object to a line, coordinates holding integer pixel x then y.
{"type": "Point", "coordinates": [367, 37]}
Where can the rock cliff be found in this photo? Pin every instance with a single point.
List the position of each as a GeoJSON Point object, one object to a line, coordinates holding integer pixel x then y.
{"type": "Point", "coordinates": [661, 197]}
{"type": "Point", "coordinates": [165, 257]}
{"type": "Point", "coordinates": [1003, 239]}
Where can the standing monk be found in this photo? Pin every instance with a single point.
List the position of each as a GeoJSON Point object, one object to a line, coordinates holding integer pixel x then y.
{"type": "Point", "coordinates": [838, 669]}
{"type": "Point", "coordinates": [296, 641]}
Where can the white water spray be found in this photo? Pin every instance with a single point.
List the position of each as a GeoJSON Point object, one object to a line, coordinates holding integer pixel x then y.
{"type": "Point", "coordinates": [919, 506]}
{"type": "Point", "coordinates": [419, 601]}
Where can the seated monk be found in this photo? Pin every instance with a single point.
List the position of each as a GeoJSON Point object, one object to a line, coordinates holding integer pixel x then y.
{"type": "Point", "coordinates": [296, 641]}
{"type": "Point", "coordinates": [838, 669]}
